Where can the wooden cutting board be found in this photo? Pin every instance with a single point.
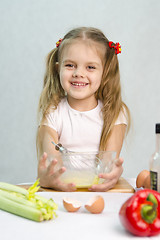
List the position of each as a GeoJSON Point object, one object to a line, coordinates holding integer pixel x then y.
{"type": "Point", "coordinates": [122, 186]}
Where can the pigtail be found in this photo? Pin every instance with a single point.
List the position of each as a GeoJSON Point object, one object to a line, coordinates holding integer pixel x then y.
{"type": "Point", "coordinates": [52, 91]}
{"type": "Point", "coordinates": [110, 94]}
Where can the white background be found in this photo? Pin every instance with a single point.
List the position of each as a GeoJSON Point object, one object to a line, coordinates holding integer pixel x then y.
{"type": "Point", "coordinates": [29, 29]}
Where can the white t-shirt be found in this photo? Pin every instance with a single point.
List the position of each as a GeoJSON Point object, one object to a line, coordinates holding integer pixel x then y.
{"type": "Point", "coordinates": [79, 131]}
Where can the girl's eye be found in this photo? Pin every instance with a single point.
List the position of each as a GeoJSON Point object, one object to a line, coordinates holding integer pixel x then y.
{"type": "Point", "coordinates": [91, 67]}
{"type": "Point", "coordinates": [69, 65]}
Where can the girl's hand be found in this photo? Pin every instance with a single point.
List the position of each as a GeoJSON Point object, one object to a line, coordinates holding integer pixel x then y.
{"type": "Point", "coordinates": [110, 178]}
{"type": "Point", "coordinates": [50, 178]}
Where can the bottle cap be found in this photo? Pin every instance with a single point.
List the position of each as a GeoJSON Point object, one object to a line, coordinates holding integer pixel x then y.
{"type": "Point", "coordinates": [157, 127]}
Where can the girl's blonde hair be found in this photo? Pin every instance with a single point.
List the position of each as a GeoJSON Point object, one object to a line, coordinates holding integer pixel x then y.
{"type": "Point", "coordinates": [109, 91]}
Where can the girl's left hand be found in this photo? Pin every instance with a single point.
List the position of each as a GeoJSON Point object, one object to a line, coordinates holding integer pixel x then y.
{"type": "Point", "coordinates": [110, 178]}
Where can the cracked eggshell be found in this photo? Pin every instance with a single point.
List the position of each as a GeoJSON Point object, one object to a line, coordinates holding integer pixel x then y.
{"type": "Point", "coordinates": [95, 204]}
{"type": "Point", "coordinates": [71, 205]}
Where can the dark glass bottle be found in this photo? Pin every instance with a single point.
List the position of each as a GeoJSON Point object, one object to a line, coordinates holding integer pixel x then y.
{"type": "Point", "coordinates": [155, 162]}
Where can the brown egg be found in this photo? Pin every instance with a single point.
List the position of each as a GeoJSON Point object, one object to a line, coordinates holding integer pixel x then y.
{"type": "Point", "coordinates": [147, 183]}
{"type": "Point", "coordinates": [71, 205]}
{"type": "Point", "coordinates": [141, 178]}
{"type": "Point", "coordinates": [95, 204]}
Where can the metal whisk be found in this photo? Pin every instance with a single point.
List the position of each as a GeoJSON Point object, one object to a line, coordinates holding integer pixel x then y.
{"type": "Point", "coordinates": [60, 148]}
{"type": "Point", "coordinates": [77, 160]}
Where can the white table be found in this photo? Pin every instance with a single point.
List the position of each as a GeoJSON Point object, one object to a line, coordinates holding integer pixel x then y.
{"type": "Point", "coordinates": [81, 225]}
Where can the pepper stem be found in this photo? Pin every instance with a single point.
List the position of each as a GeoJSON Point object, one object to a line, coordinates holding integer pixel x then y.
{"type": "Point", "coordinates": [152, 199]}
{"type": "Point", "coordinates": [149, 212]}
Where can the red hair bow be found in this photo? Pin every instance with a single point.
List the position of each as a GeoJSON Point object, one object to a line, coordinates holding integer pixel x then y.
{"type": "Point", "coordinates": [59, 42]}
{"type": "Point", "coordinates": [116, 46]}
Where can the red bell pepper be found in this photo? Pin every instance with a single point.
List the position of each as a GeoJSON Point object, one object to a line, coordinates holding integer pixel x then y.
{"type": "Point", "coordinates": [140, 214]}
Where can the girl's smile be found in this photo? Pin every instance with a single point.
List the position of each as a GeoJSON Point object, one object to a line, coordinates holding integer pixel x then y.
{"type": "Point", "coordinates": [79, 84]}
{"type": "Point", "coordinates": [80, 72]}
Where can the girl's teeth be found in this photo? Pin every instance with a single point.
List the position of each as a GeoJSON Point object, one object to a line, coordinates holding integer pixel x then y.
{"type": "Point", "coordinates": [79, 84]}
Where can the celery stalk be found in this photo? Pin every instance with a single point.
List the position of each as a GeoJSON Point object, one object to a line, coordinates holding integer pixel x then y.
{"type": "Point", "coordinates": [20, 209]}
{"type": "Point", "coordinates": [13, 188]}
{"type": "Point", "coordinates": [18, 199]}
{"type": "Point", "coordinates": [26, 203]}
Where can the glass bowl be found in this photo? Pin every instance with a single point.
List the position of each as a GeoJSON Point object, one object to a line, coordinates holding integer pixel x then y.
{"type": "Point", "coordinates": [82, 168]}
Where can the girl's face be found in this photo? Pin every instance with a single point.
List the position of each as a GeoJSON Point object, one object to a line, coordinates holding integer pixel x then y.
{"type": "Point", "coordinates": [81, 71]}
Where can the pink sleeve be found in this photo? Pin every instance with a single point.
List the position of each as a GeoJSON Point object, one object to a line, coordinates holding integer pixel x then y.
{"type": "Point", "coordinates": [51, 120]}
{"type": "Point", "coordinates": [122, 118]}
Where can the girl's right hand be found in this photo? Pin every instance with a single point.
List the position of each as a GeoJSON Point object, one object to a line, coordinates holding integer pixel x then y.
{"type": "Point", "coordinates": [50, 178]}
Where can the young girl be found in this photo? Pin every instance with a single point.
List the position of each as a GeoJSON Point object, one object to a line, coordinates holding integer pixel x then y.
{"type": "Point", "coordinates": [81, 105]}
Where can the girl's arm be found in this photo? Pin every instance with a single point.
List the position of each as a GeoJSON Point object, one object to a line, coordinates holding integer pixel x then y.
{"type": "Point", "coordinates": [116, 139]}
{"type": "Point", "coordinates": [48, 172]}
{"type": "Point", "coordinates": [115, 143]}
{"type": "Point", "coordinates": [44, 138]}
